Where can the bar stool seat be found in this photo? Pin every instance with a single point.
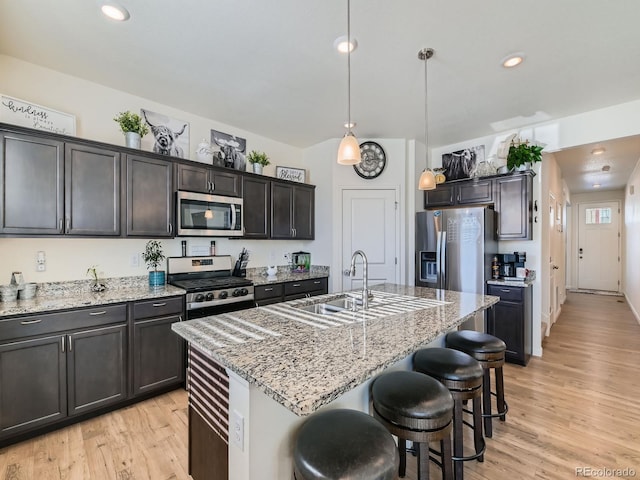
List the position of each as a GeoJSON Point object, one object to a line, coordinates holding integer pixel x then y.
{"type": "Point", "coordinates": [415, 407]}
{"type": "Point", "coordinates": [344, 444]}
{"type": "Point", "coordinates": [489, 351]}
{"type": "Point", "coordinates": [462, 375]}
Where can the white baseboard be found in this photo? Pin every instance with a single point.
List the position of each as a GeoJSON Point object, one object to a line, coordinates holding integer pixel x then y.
{"type": "Point", "coordinates": [633, 310]}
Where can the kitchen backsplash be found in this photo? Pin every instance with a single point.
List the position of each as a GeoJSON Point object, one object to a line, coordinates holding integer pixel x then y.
{"type": "Point", "coordinates": [69, 258]}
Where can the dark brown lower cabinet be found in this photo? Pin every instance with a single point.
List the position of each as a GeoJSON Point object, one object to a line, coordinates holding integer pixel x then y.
{"type": "Point", "coordinates": [33, 384]}
{"type": "Point", "coordinates": [285, 291]}
{"type": "Point", "coordinates": [158, 360]}
{"type": "Point", "coordinates": [510, 321]}
{"type": "Point", "coordinates": [96, 368]}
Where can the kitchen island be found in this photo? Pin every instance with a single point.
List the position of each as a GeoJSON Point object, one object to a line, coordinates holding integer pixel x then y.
{"type": "Point", "coordinates": [255, 374]}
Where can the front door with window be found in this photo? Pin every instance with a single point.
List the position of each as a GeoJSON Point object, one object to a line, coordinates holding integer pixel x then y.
{"type": "Point", "coordinates": [599, 246]}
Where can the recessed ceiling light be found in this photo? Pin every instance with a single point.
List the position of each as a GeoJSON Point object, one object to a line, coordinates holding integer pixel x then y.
{"type": "Point", "coordinates": [513, 60]}
{"type": "Point", "coordinates": [598, 151]}
{"type": "Point", "coordinates": [114, 11]}
{"type": "Point", "coordinates": [606, 168]}
{"type": "Point", "coordinates": [341, 44]}
{"type": "Point", "coordinates": [596, 185]}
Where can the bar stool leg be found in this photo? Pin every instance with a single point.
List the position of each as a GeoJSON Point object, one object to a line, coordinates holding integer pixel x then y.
{"type": "Point", "coordinates": [458, 448]}
{"type": "Point", "coordinates": [500, 392]}
{"type": "Point", "coordinates": [402, 450]}
{"type": "Point", "coordinates": [423, 460]}
{"type": "Point", "coordinates": [486, 400]}
{"type": "Point", "coordinates": [477, 427]}
{"type": "Point", "coordinates": [447, 467]}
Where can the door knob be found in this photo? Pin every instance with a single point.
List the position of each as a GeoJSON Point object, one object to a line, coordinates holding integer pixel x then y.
{"type": "Point", "coordinates": [556, 267]}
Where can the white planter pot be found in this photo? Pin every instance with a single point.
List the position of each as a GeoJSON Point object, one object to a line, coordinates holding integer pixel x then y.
{"type": "Point", "coordinates": [257, 168]}
{"type": "Point", "coordinates": [132, 139]}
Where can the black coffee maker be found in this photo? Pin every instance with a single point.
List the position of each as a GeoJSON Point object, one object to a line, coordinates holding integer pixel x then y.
{"type": "Point", "coordinates": [509, 262]}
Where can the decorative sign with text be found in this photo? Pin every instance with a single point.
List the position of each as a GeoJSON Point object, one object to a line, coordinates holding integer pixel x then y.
{"type": "Point", "coordinates": [292, 174]}
{"type": "Point", "coordinates": [27, 114]}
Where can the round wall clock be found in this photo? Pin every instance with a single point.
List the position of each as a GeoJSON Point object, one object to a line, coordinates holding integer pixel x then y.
{"type": "Point", "coordinates": [373, 160]}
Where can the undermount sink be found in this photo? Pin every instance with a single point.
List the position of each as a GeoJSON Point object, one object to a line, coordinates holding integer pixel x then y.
{"type": "Point", "coordinates": [328, 308]}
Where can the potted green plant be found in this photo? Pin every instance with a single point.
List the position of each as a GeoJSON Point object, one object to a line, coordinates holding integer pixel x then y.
{"type": "Point", "coordinates": [97, 286]}
{"type": "Point", "coordinates": [153, 256]}
{"type": "Point", "coordinates": [522, 155]}
{"type": "Point", "coordinates": [133, 128]}
{"type": "Point", "coordinates": [258, 160]}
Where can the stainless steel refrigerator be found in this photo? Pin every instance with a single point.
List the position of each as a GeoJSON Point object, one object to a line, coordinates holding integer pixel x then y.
{"type": "Point", "coordinates": [454, 249]}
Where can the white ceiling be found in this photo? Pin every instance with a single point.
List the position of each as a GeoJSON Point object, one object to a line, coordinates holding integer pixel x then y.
{"type": "Point", "coordinates": [269, 66]}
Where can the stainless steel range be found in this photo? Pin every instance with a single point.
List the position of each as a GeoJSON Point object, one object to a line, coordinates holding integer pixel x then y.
{"type": "Point", "coordinates": [211, 289]}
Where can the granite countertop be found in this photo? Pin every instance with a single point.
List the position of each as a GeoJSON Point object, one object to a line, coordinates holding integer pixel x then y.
{"type": "Point", "coordinates": [304, 360]}
{"type": "Point", "coordinates": [51, 297]}
{"type": "Point", "coordinates": [259, 275]}
{"type": "Point", "coordinates": [527, 282]}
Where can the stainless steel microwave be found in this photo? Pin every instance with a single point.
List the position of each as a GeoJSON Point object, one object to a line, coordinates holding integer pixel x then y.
{"type": "Point", "coordinates": [204, 215]}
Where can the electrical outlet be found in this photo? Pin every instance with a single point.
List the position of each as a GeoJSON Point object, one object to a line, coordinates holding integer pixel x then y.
{"type": "Point", "coordinates": [41, 262]}
{"type": "Point", "coordinates": [237, 430]}
{"type": "Point", "coordinates": [135, 260]}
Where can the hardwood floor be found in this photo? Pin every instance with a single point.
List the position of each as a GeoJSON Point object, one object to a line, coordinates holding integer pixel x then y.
{"type": "Point", "coordinates": [577, 407]}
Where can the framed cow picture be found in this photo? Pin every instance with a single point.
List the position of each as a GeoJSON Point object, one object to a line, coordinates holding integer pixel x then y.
{"type": "Point", "coordinates": [462, 163]}
{"type": "Point", "coordinates": [228, 150]}
{"type": "Point", "coordinates": [170, 136]}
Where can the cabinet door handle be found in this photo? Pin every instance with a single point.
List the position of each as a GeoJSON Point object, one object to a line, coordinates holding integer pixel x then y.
{"type": "Point", "coordinates": [180, 319]}
{"type": "Point", "coordinates": [62, 343]}
{"type": "Point", "coordinates": [268, 289]}
{"type": "Point", "coordinates": [93, 314]}
{"type": "Point", "coordinates": [30, 322]}
{"type": "Point", "coordinates": [60, 224]}
{"type": "Point", "coordinates": [68, 224]}
{"type": "Point", "coordinates": [70, 343]}
{"type": "Point", "coordinates": [505, 290]}
{"type": "Point", "coordinates": [296, 285]}
{"type": "Point", "coordinates": [317, 282]}
{"type": "Point", "coordinates": [213, 186]}
{"type": "Point", "coordinates": [164, 304]}
{"type": "Point", "coordinates": [170, 227]}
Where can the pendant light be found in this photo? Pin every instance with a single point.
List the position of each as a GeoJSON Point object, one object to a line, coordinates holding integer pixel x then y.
{"type": "Point", "coordinates": [349, 149]}
{"type": "Point", "coordinates": [427, 179]}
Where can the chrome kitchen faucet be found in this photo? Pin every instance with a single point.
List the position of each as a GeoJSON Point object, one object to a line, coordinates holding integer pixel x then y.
{"type": "Point", "coordinates": [365, 278]}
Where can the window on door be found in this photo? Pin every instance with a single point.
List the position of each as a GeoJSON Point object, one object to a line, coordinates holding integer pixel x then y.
{"type": "Point", "coordinates": [596, 216]}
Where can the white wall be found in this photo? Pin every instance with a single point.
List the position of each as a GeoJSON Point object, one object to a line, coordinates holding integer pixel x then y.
{"type": "Point", "coordinates": [632, 234]}
{"type": "Point", "coordinates": [94, 107]}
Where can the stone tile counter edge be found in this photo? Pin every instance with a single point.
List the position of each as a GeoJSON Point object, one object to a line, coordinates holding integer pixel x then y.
{"type": "Point", "coordinates": [55, 296]}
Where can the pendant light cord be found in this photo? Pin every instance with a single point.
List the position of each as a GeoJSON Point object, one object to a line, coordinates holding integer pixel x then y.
{"type": "Point", "coordinates": [425, 54]}
{"type": "Point", "coordinates": [349, 66]}
{"type": "Point", "coordinates": [426, 116]}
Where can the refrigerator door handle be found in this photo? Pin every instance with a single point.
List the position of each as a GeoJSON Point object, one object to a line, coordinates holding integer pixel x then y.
{"type": "Point", "coordinates": [443, 259]}
{"type": "Point", "coordinates": [438, 262]}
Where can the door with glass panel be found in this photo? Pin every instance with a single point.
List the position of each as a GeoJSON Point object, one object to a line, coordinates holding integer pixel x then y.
{"type": "Point", "coordinates": [599, 246]}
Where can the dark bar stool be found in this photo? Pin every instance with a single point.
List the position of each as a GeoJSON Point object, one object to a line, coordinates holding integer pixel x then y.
{"type": "Point", "coordinates": [344, 445]}
{"type": "Point", "coordinates": [489, 351]}
{"type": "Point", "coordinates": [462, 375]}
{"type": "Point", "coordinates": [415, 407]}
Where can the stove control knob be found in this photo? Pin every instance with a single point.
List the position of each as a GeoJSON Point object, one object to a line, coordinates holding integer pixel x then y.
{"type": "Point", "coordinates": [199, 297]}
{"type": "Point", "coordinates": [223, 294]}
{"type": "Point", "coordinates": [244, 292]}
{"type": "Point", "coordinates": [209, 296]}
{"type": "Point", "coordinates": [237, 292]}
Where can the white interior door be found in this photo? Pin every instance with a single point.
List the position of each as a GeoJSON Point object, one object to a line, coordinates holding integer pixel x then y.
{"type": "Point", "coordinates": [370, 224]}
{"type": "Point", "coordinates": [599, 246]}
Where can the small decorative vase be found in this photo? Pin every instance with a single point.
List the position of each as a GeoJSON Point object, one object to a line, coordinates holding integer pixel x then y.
{"type": "Point", "coordinates": [257, 168]}
{"type": "Point", "coordinates": [132, 139]}
{"type": "Point", "coordinates": [524, 167]}
{"type": "Point", "coordinates": [98, 287]}
{"type": "Point", "coordinates": [156, 279]}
